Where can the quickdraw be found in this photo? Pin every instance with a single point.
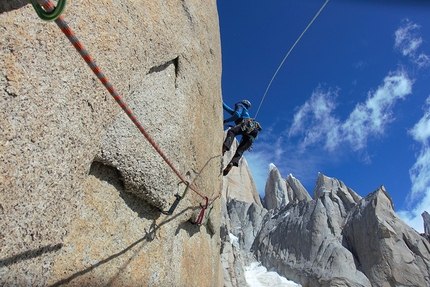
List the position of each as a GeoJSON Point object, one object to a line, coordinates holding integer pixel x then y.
{"type": "Point", "coordinates": [209, 214]}
{"type": "Point", "coordinates": [202, 213]}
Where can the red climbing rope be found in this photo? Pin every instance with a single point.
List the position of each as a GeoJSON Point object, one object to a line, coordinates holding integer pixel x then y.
{"type": "Point", "coordinates": [49, 7]}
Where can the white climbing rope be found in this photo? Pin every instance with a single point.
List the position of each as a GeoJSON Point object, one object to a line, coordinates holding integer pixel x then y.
{"type": "Point", "coordinates": [286, 56]}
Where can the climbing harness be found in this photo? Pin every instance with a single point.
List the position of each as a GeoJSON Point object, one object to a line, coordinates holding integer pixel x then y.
{"type": "Point", "coordinates": [286, 56]}
{"type": "Point", "coordinates": [248, 125]}
{"type": "Point", "coordinates": [48, 8]}
{"type": "Point", "coordinates": [49, 14]}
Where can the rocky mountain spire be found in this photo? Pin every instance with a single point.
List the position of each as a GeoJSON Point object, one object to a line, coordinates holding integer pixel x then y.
{"type": "Point", "coordinates": [426, 219]}
{"type": "Point", "coordinates": [337, 238]}
{"type": "Point", "coordinates": [308, 242]}
{"type": "Point", "coordinates": [337, 191]}
{"type": "Point", "coordinates": [280, 192]}
{"type": "Point", "coordinates": [296, 191]}
{"type": "Point", "coordinates": [276, 195]}
{"type": "Point", "coordinates": [386, 248]}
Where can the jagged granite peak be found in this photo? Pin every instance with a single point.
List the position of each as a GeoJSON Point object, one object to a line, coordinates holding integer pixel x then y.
{"type": "Point", "coordinates": [337, 189]}
{"type": "Point", "coordinates": [337, 238]}
{"type": "Point", "coordinates": [332, 240]}
{"type": "Point", "coordinates": [246, 219]}
{"type": "Point", "coordinates": [295, 189]}
{"type": "Point", "coordinates": [426, 219]}
{"type": "Point", "coordinates": [231, 256]}
{"type": "Point", "coordinates": [303, 242]}
{"type": "Point", "coordinates": [390, 252]}
{"type": "Point", "coordinates": [276, 195]}
{"type": "Point", "coordinates": [241, 222]}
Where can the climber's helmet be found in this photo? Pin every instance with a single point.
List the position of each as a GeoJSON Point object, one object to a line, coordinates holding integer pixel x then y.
{"type": "Point", "coordinates": [246, 103]}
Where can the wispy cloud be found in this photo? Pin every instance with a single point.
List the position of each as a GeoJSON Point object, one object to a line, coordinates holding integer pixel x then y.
{"type": "Point", "coordinates": [316, 121]}
{"type": "Point", "coordinates": [360, 65]}
{"type": "Point", "coordinates": [408, 41]}
{"type": "Point", "coordinates": [371, 118]}
{"type": "Point", "coordinates": [419, 198]}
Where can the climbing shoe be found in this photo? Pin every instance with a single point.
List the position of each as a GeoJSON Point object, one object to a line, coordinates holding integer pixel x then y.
{"type": "Point", "coordinates": [227, 169]}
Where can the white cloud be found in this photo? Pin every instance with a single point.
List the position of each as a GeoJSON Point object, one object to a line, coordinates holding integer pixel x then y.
{"type": "Point", "coordinates": [419, 198]}
{"type": "Point", "coordinates": [422, 60]}
{"type": "Point", "coordinates": [407, 41]}
{"type": "Point", "coordinates": [360, 65]}
{"type": "Point", "coordinates": [316, 122]}
{"type": "Point", "coordinates": [371, 118]}
{"type": "Point", "coordinates": [420, 171]}
{"type": "Point", "coordinates": [421, 131]}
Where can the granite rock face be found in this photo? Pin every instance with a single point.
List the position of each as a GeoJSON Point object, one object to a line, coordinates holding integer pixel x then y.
{"type": "Point", "coordinates": [390, 252]}
{"type": "Point", "coordinates": [276, 195]}
{"type": "Point", "coordinates": [246, 220]}
{"type": "Point", "coordinates": [242, 213]}
{"type": "Point", "coordinates": [280, 192]}
{"type": "Point", "coordinates": [240, 224]}
{"type": "Point", "coordinates": [239, 183]}
{"type": "Point", "coordinates": [80, 187]}
{"type": "Point", "coordinates": [295, 189]}
{"type": "Point", "coordinates": [303, 242]}
{"type": "Point", "coordinates": [340, 239]}
{"type": "Point", "coordinates": [335, 238]}
{"type": "Point", "coordinates": [426, 219]}
{"type": "Point", "coordinates": [343, 195]}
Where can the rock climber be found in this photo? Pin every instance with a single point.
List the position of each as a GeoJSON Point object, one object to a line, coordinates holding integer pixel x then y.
{"type": "Point", "coordinates": [245, 126]}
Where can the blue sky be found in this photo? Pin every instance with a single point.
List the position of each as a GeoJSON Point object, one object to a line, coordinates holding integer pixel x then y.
{"type": "Point", "coordinates": [351, 101]}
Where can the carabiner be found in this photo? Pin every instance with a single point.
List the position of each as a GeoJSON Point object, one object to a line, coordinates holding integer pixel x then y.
{"type": "Point", "coordinates": [49, 16]}
{"type": "Point", "coordinates": [202, 212]}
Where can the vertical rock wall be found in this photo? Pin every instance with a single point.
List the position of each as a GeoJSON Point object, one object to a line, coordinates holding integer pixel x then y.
{"type": "Point", "coordinates": [80, 187]}
{"type": "Point", "coordinates": [239, 183]}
